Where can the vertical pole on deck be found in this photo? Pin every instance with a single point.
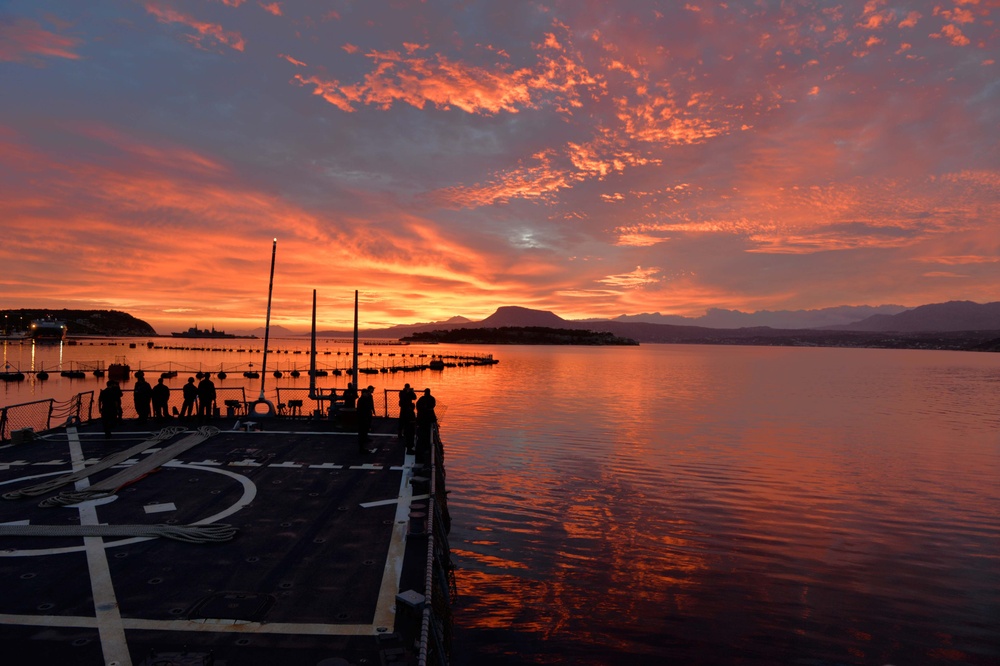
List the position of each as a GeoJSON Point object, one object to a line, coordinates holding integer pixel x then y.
{"type": "Point", "coordinates": [312, 353]}
{"type": "Point", "coordinates": [357, 385]}
{"type": "Point", "coordinates": [267, 323]}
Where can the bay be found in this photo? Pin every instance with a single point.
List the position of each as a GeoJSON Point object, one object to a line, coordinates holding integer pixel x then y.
{"type": "Point", "coordinates": [696, 504]}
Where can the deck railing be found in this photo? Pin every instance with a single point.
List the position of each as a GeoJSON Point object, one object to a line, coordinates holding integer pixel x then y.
{"type": "Point", "coordinates": [42, 415]}
{"type": "Point", "coordinates": [435, 630]}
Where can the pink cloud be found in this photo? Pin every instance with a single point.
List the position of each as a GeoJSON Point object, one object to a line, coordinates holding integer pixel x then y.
{"type": "Point", "coordinates": [210, 32]}
{"type": "Point", "coordinates": [22, 39]}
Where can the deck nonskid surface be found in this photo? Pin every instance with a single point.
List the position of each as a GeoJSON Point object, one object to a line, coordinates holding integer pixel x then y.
{"type": "Point", "coordinates": [320, 534]}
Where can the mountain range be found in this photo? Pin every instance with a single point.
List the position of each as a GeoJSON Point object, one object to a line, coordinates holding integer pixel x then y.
{"type": "Point", "coordinates": [789, 319]}
{"type": "Point", "coordinates": [806, 326]}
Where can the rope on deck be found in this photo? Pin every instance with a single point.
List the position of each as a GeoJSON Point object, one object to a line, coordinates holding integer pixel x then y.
{"type": "Point", "coordinates": [185, 533]}
{"type": "Point", "coordinates": [100, 466]}
{"type": "Point", "coordinates": [112, 484]}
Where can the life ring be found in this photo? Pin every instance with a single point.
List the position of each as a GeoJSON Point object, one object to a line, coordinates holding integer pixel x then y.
{"type": "Point", "coordinates": [252, 408]}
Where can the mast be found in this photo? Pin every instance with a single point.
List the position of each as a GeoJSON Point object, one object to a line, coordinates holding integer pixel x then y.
{"type": "Point", "coordinates": [267, 323]}
{"type": "Point", "coordinates": [312, 353]}
{"type": "Point", "coordinates": [356, 380]}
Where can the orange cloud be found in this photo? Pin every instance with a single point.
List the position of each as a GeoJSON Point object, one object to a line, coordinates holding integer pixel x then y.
{"type": "Point", "coordinates": [538, 182]}
{"type": "Point", "coordinates": [445, 83]}
{"type": "Point", "coordinates": [272, 8]}
{"type": "Point", "coordinates": [953, 34]}
{"type": "Point", "coordinates": [911, 20]}
{"type": "Point", "coordinates": [554, 170]}
{"type": "Point", "coordinates": [873, 19]}
{"type": "Point", "coordinates": [22, 39]}
{"type": "Point", "coordinates": [945, 274]}
{"type": "Point", "coordinates": [659, 120]}
{"type": "Point", "coordinates": [957, 15]}
{"type": "Point", "coordinates": [637, 278]}
{"type": "Point", "coordinates": [628, 239]}
{"type": "Point", "coordinates": [960, 260]}
{"type": "Point", "coordinates": [297, 63]}
{"type": "Point", "coordinates": [207, 32]}
{"type": "Point", "coordinates": [438, 81]}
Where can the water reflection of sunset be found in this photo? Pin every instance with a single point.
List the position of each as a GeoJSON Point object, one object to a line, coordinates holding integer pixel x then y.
{"type": "Point", "coordinates": [726, 505]}
{"type": "Point", "coordinates": [445, 160]}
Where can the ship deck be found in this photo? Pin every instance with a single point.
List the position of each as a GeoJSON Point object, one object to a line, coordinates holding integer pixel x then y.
{"type": "Point", "coordinates": [327, 564]}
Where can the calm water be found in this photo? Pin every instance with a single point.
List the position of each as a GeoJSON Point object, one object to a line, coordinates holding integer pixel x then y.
{"type": "Point", "coordinates": [708, 505]}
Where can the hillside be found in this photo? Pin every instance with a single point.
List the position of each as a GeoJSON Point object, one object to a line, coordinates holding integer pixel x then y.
{"type": "Point", "coordinates": [938, 317]}
{"type": "Point", "coordinates": [85, 322]}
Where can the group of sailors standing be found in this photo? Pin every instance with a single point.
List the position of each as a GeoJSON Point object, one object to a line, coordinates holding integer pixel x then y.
{"type": "Point", "coordinates": [155, 400]}
{"type": "Point", "coordinates": [415, 416]}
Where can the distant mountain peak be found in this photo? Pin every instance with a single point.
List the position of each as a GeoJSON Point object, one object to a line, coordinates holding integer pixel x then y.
{"type": "Point", "coordinates": [513, 315]}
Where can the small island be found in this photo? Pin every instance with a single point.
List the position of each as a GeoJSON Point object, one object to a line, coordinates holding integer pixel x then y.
{"type": "Point", "coordinates": [78, 322]}
{"type": "Point", "coordinates": [519, 335]}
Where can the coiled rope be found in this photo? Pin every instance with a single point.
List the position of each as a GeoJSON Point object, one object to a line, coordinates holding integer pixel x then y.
{"type": "Point", "coordinates": [100, 466]}
{"type": "Point", "coordinates": [112, 484]}
{"type": "Point", "coordinates": [185, 533]}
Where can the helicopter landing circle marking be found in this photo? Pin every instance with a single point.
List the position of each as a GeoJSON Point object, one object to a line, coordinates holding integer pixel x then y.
{"type": "Point", "coordinates": [249, 493]}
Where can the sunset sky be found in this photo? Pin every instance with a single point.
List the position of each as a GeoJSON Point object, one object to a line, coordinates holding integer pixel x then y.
{"type": "Point", "coordinates": [446, 158]}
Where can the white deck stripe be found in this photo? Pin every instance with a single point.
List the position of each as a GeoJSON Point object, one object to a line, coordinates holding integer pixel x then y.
{"type": "Point", "coordinates": [109, 619]}
{"type": "Point", "coordinates": [368, 505]}
{"type": "Point", "coordinates": [385, 610]}
{"type": "Point", "coordinates": [233, 626]}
